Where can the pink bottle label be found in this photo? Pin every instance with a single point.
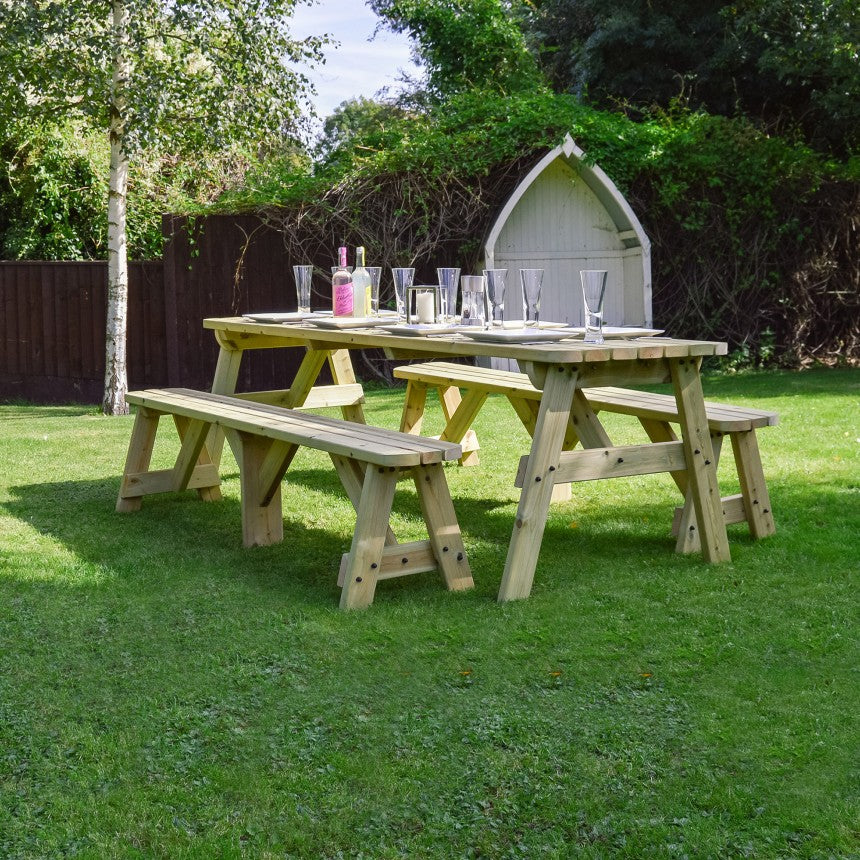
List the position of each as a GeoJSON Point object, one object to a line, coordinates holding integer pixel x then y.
{"type": "Point", "coordinates": [343, 299]}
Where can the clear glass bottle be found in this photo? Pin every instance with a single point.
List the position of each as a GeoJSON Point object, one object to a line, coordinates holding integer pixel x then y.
{"type": "Point", "coordinates": [361, 285]}
{"type": "Point", "coordinates": [342, 290]}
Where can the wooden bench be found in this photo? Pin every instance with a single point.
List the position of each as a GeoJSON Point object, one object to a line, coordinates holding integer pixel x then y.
{"type": "Point", "coordinates": [464, 388]}
{"type": "Point", "coordinates": [264, 439]}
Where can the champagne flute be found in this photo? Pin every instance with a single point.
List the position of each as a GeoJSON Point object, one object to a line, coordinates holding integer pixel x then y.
{"type": "Point", "coordinates": [531, 282]}
{"type": "Point", "coordinates": [495, 296]}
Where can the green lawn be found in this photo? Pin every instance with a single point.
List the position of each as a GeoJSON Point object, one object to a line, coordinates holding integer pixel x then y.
{"type": "Point", "coordinates": [166, 693]}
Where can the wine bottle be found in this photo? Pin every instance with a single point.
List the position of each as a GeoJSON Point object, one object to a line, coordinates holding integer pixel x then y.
{"type": "Point", "coordinates": [361, 285]}
{"type": "Point", "coordinates": [342, 288]}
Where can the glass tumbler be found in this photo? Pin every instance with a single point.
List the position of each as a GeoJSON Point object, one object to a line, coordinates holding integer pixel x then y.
{"type": "Point", "coordinates": [303, 276]}
{"type": "Point", "coordinates": [448, 278]}
{"type": "Point", "coordinates": [593, 295]}
{"type": "Point", "coordinates": [495, 296]}
{"type": "Point", "coordinates": [403, 278]}
{"type": "Point", "coordinates": [375, 273]}
{"type": "Point", "coordinates": [472, 308]}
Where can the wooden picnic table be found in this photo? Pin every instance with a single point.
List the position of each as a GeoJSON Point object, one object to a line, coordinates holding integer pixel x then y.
{"type": "Point", "coordinates": [561, 369]}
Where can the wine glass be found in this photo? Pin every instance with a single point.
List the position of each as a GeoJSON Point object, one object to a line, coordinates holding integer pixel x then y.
{"type": "Point", "coordinates": [531, 281]}
{"type": "Point", "coordinates": [495, 296]}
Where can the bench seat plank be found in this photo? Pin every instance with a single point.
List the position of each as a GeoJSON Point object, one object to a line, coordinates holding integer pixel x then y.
{"type": "Point", "coordinates": [723, 417]}
{"type": "Point", "coordinates": [333, 435]}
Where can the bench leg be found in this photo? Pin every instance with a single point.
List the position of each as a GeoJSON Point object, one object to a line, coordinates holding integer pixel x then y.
{"type": "Point", "coordinates": [139, 455]}
{"type": "Point", "coordinates": [459, 414]}
{"type": "Point", "coordinates": [351, 473]}
{"type": "Point", "coordinates": [368, 541]}
{"type": "Point", "coordinates": [192, 468]}
{"type": "Point", "coordinates": [442, 526]}
{"type": "Point", "coordinates": [753, 485]}
{"type": "Point", "coordinates": [262, 519]}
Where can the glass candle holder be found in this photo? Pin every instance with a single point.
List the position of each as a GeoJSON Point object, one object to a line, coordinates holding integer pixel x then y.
{"type": "Point", "coordinates": [422, 305]}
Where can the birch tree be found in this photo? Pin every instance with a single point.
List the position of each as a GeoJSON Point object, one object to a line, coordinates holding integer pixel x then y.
{"type": "Point", "coordinates": [181, 76]}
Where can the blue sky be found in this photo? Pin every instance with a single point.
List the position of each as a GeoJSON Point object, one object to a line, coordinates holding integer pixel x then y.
{"type": "Point", "coordinates": [362, 64]}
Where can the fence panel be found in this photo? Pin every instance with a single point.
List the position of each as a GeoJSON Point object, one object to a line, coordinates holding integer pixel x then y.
{"type": "Point", "coordinates": [52, 326]}
{"type": "Point", "coordinates": [53, 329]}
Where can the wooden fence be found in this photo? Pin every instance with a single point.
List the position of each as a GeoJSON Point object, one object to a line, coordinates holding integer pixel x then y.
{"type": "Point", "coordinates": [53, 329]}
{"type": "Point", "coordinates": [52, 314]}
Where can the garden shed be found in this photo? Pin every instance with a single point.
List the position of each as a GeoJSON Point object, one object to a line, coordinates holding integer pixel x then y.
{"type": "Point", "coordinates": [565, 215]}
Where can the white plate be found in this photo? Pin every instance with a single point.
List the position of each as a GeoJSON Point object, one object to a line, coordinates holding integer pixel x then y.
{"type": "Point", "coordinates": [275, 317]}
{"type": "Point", "coordinates": [518, 324]}
{"type": "Point", "coordinates": [350, 322]}
{"type": "Point", "coordinates": [421, 329]}
{"type": "Point", "coordinates": [285, 317]}
{"type": "Point", "coordinates": [511, 335]}
{"type": "Point", "coordinates": [622, 331]}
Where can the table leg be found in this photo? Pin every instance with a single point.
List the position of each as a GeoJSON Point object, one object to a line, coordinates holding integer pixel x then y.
{"type": "Point", "coordinates": [305, 378]}
{"type": "Point", "coordinates": [224, 382]}
{"type": "Point", "coordinates": [547, 442]}
{"type": "Point", "coordinates": [701, 461]}
{"type": "Point", "coordinates": [527, 410]}
{"type": "Point", "coordinates": [343, 374]}
{"type": "Point", "coordinates": [686, 532]}
{"type": "Point", "coordinates": [459, 414]}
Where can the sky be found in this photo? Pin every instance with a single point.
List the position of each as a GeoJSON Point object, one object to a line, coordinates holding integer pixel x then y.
{"type": "Point", "coordinates": [362, 64]}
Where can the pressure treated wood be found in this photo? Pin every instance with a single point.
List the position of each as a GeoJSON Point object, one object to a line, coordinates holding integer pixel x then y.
{"type": "Point", "coordinates": [556, 427]}
{"type": "Point", "coordinates": [656, 413]}
{"type": "Point", "coordinates": [265, 438]}
{"type": "Point", "coordinates": [543, 461]}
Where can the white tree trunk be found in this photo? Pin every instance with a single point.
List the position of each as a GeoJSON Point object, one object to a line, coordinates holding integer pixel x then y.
{"type": "Point", "coordinates": [116, 375]}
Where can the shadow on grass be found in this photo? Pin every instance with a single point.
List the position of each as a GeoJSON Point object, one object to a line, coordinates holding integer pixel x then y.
{"type": "Point", "coordinates": [177, 540]}
{"type": "Point", "coordinates": [16, 411]}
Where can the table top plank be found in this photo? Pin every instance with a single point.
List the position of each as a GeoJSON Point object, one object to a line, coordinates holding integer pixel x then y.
{"type": "Point", "coordinates": [240, 334]}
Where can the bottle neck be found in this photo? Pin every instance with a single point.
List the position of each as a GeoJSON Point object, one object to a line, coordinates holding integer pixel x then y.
{"type": "Point", "coordinates": [359, 257]}
{"type": "Point", "coordinates": [342, 257]}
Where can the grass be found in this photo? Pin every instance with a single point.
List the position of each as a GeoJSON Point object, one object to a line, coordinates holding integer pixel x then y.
{"type": "Point", "coordinates": [166, 693]}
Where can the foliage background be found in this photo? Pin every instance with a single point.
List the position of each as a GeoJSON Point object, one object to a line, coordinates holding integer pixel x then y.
{"type": "Point", "coordinates": [754, 237]}
{"type": "Point", "coordinates": [731, 130]}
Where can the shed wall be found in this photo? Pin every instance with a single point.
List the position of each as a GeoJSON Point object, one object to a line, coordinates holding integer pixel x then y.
{"type": "Point", "coordinates": [559, 225]}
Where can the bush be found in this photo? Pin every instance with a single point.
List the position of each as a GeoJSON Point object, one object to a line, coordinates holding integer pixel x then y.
{"type": "Point", "coordinates": [53, 196]}
{"type": "Point", "coordinates": [752, 235]}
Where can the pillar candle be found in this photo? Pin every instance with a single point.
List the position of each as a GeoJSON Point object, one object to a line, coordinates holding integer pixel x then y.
{"type": "Point", "coordinates": [424, 307]}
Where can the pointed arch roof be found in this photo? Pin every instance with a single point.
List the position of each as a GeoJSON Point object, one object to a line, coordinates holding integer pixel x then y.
{"type": "Point", "coordinates": [629, 228]}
